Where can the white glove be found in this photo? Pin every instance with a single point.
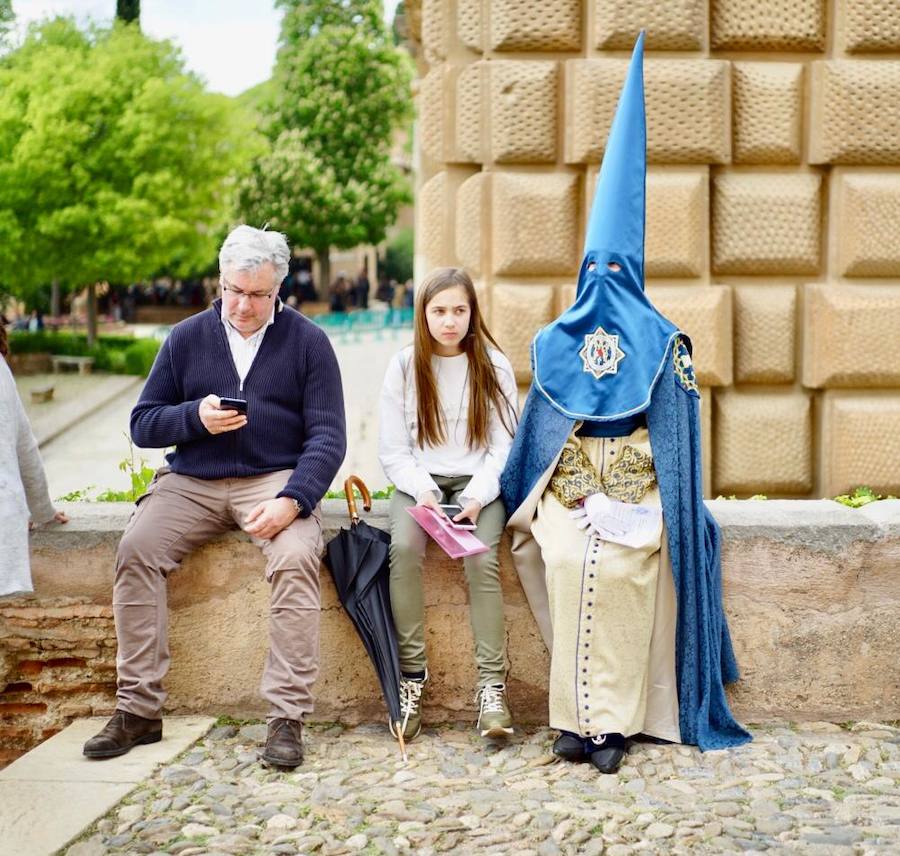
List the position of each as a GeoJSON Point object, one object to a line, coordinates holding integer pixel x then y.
{"type": "Point", "coordinates": [596, 513]}
{"type": "Point", "coordinates": [620, 522]}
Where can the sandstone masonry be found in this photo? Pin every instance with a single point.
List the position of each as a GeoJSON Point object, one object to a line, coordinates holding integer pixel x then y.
{"type": "Point", "coordinates": [773, 219]}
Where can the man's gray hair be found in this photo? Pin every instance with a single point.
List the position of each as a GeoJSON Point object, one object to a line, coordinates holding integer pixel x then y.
{"type": "Point", "coordinates": [247, 248]}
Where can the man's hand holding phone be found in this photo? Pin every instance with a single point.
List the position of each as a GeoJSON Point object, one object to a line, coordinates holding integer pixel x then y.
{"type": "Point", "coordinates": [219, 415]}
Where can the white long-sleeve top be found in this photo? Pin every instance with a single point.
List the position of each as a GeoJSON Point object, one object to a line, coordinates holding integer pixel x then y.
{"type": "Point", "coordinates": [409, 467]}
{"type": "Point", "coordinates": [23, 487]}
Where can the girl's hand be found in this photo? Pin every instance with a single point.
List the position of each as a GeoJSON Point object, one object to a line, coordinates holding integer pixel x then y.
{"type": "Point", "coordinates": [58, 517]}
{"type": "Point", "coordinates": [429, 500]}
{"type": "Point", "coordinates": [471, 510]}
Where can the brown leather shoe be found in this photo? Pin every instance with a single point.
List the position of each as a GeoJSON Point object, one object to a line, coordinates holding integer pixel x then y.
{"type": "Point", "coordinates": [123, 731]}
{"type": "Point", "coordinates": [284, 747]}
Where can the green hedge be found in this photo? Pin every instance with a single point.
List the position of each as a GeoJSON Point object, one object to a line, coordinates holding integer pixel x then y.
{"type": "Point", "coordinates": [140, 355]}
{"type": "Point", "coordinates": [116, 354]}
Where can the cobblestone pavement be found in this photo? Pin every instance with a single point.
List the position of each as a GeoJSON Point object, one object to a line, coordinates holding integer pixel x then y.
{"type": "Point", "coordinates": [811, 789]}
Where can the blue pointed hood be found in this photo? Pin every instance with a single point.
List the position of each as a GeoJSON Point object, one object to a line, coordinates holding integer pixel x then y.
{"type": "Point", "coordinates": [600, 360]}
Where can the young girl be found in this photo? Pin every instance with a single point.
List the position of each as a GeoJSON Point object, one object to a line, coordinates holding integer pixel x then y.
{"type": "Point", "coordinates": [448, 415]}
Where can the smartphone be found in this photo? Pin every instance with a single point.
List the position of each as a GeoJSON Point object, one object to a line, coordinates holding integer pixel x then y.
{"type": "Point", "coordinates": [451, 511]}
{"type": "Point", "coordinates": [239, 404]}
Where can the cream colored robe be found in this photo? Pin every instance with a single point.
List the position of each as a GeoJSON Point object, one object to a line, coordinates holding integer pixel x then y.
{"type": "Point", "coordinates": [613, 669]}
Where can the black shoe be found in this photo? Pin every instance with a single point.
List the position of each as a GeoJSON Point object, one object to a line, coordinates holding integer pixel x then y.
{"type": "Point", "coordinates": [609, 750]}
{"type": "Point", "coordinates": [649, 738]}
{"type": "Point", "coordinates": [570, 747]}
{"type": "Point", "coordinates": [284, 747]}
{"type": "Point", "coordinates": [122, 733]}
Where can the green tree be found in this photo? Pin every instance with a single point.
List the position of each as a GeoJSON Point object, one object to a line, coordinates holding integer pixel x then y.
{"type": "Point", "coordinates": [7, 16]}
{"type": "Point", "coordinates": [128, 11]}
{"type": "Point", "coordinates": [398, 257]}
{"type": "Point", "coordinates": [304, 19]}
{"type": "Point", "coordinates": [341, 89]}
{"type": "Point", "coordinates": [114, 162]}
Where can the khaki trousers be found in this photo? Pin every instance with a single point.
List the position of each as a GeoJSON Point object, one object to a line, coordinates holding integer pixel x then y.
{"type": "Point", "coordinates": [177, 515]}
{"type": "Point", "coordinates": [408, 543]}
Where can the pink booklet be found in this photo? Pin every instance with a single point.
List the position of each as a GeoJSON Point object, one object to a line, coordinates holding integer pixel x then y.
{"type": "Point", "coordinates": [455, 542]}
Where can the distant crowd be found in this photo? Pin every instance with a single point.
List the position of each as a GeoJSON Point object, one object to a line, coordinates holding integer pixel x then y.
{"type": "Point", "coordinates": [120, 303]}
{"type": "Point", "coordinates": [346, 293]}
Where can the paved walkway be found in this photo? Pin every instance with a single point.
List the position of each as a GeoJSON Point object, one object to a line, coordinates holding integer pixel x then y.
{"type": "Point", "coordinates": [88, 454]}
{"type": "Point", "coordinates": [50, 795]}
{"type": "Point", "coordinates": [363, 360]}
{"type": "Point", "coordinates": [814, 789]}
{"type": "Point", "coordinates": [75, 397]}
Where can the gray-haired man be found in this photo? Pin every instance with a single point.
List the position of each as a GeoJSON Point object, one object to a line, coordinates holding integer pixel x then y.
{"type": "Point", "coordinates": [263, 470]}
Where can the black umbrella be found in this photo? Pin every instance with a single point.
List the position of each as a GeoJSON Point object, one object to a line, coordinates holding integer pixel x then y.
{"type": "Point", "coordinates": [358, 560]}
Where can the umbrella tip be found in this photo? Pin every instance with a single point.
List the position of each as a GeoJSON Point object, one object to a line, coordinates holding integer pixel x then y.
{"type": "Point", "coordinates": [401, 741]}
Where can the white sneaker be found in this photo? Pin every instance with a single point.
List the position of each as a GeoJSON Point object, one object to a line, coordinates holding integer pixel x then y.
{"type": "Point", "coordinates": [411, 690]}
{"type": "Point", "coordinates": [494, 717]}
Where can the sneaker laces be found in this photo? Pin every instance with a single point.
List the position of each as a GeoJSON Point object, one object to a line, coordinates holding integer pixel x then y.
{"type": "Point", "coordinates": [491, 699]}
{"type": "Point", "coordinates": [410, 696]}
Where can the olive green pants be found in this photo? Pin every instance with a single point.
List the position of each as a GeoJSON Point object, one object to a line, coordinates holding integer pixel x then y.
{"type": "Point", "coordinates": [408, 542]}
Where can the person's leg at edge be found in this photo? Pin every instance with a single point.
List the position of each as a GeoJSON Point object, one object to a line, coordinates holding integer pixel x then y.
{"type": "Point", "coordinates": [488, 630]}
{"type": "Point", "coordinates": [407, 551]}
{"type": "Point", "coordinates": [177, 515]}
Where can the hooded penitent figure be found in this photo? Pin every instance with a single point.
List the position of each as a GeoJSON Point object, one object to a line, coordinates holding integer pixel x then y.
{"type": "Point", "coordinates": [637, 634]}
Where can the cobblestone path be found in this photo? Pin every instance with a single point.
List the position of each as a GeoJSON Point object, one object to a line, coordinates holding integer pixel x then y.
{"type": "Point", "coordinates": [812, 789]}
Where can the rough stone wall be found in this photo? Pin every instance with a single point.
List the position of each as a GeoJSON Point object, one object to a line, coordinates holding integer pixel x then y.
{"type": "Point", "coordinates": [810, 588]}
{"type": "Point", "coordinates": [57, 662]}
{"type": "Point", "coordinates": [773, 204]}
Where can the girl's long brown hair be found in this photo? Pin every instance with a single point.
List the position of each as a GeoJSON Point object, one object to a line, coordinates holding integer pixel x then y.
{"type": "Point", "coordinates": [484, 390]}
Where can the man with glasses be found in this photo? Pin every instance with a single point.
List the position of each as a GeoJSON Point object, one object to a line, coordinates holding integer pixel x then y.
{"type": "Point", "coordinates": [261, 463]}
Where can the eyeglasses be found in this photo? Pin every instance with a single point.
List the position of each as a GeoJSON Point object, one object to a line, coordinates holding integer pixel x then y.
{"type": "Point", "coordinates": [237, 294]}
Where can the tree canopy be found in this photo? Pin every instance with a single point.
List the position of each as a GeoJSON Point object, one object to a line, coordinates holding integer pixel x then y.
{"type": "Point", "coordinates": [341, 89]}
{"type": "Point", "coordinates": [114, 162]}
{"type": "Point", "coordinates": [6, 20]}
{"type": "Point", "coordinates": [305, 19]}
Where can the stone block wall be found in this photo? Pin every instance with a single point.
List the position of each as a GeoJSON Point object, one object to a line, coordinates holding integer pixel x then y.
{"type": "Point", "coordinates": [773, 204]}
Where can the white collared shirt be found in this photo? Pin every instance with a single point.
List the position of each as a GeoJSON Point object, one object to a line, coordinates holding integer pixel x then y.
{"type": "Point", "coordinates": [243, 351]}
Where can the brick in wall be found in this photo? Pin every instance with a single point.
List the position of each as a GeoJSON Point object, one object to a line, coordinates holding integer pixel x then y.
{"type": "Point", "coordinates": [57, 662]}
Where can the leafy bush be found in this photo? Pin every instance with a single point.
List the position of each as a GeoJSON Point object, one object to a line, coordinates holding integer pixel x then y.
{"type": "Point", "coordinates": [859, 497]}
{"type": "Point", "coordinates": [140, 473]}
{"type": "Point", "coordinates": [139, 356]}
{"type": "Point", "coordinates": [141, 476]}
{"type": "Point", "coordinates": [116, 354]}
{"type": "Point", "coordinates": [111, 360]}
{"type": "Point", "coordinates": [398, 256]}
{"type": "Point", "coordinates": [383, 493]}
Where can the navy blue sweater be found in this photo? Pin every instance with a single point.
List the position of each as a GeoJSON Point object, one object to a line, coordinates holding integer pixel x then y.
{"type": "Point", "coordinates": [294, 398]}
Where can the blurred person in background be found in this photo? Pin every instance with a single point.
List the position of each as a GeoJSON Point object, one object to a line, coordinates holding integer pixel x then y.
{"type": "Point", "coordinates": [362, 289]}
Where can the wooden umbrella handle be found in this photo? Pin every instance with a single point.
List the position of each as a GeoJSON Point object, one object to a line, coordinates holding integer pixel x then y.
{"type": "Point", "coordinates": [349, 484]}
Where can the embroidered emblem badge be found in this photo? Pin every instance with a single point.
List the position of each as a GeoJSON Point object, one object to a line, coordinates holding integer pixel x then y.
{"type": "Point", "coordinates": [601, 353]}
